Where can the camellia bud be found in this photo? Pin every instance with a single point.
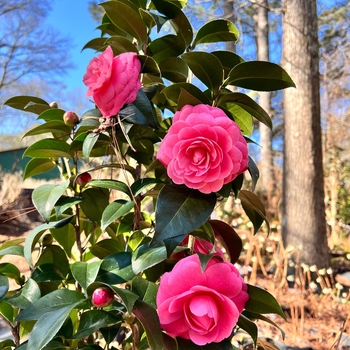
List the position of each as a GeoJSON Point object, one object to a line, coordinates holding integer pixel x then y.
{"type": "Point", "coordinates": [83, 179]}
{"type": "Point", "coordinates": [70, 118]}
{"type": "Point", "coordinates": [102, 297]}
{"type": "Point", "coordinates": [53, 104]}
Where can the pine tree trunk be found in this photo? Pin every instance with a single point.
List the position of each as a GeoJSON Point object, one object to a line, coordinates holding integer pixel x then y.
{"type": "Point", "coordinates": [303, 223]}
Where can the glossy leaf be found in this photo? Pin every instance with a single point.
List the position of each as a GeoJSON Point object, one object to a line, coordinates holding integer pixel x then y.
{"type": "Point", "coordinates": [51, 311]}
{"type": "Point", "coordinates": [254, 172]}
{"type": "Point", "coordinates": [106, 247]}
{"type": "Point", "coordinates": [124, 17]}
{"type": "Point", "coordinates": [94, 202]}
{"type": "Point", "coordinates": [145, 289]}
{"type": "Point", "coordinates": [28, 295]}
{"type": "Point", "coordinates": [48, 148]}
{"type": "Point", "coordinates": [167, 46]}
{"type": "Point", "coordinates": [228, 60]}
{"type": "Point", "coordinates": [28, 104]}
{"type": "Point", "coordinates": [206, 67]}
{"type": "Point", "coordinates": [56, 127]}
{"type": "Point", "coordinates": [231, 100]}
{"type": "Point", "coordinates": [254, 209]}
{"type": "Point", "coordinates": [65, 236]}
{"type": "Point", "coordinates": [12, 250]}
{"type": "Point", "coordinates": [7, 311]}
{"type": "Point", "coordinates": [52, 114]}
{"type": "Point", "coordinates": [262, 302]}
{"type": "Point", "coordinates": [260, 76]}
{"type": "Point", "coordinates": [174, 69]}
{"type": "Point", "coordinates": [180, 210]}
{"type": "Point", "coordinates": [141, 184]}
{"type": "Point", "coordinates": [45, 197]}
{"type": "Point", "coordinates": [249, 326]}
{"type": "Point", "coordinates": [111, 185]}
{"type": "Point", "coordinates": [98, 44]}
{"type": "Point", "coordinates": [85, 273]}
{"type": "Point", "coordinates": [116, 269]}
{"type": "Point", "coordinates": [92, 320]}
{"type": "Point", "coordinates": [35, 234]}
{"type": "Point", "coordinates": [55, 255]}
{"type": "Point", "coordinates": [114, 211]}
{"type": "Point", "coordinates": [4, 286]}
{"type": "Point", "coordinates": [88, 144]}
{"type": "Point", "coordinates": [120, 44]}
{"type": "Point", "coordinates": [216, 31]}
{"type": "Point", "coordinates": [148, 66]}
{"type": "Point", "coordinates": [228, 237]}
{"type": "Point", "coordinates": [11, 271]}
{"type": "Point", "coordinates": [146, 256]}
{"type": "Point", "coordinates": [178, 20]}
{"type": "Point", "coordinates": [37, 166]}
{"type": "Point", "coordinates": [148, 317]}
{"type": "Point", "coordinates": [173, 92]}
{"type": "Point", "coordinates": [64, 203]}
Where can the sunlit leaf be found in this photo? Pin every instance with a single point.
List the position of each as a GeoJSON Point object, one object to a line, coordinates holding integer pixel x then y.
{"type": "Point", "coordinates": [4, 286]}
{"type": "Point", "coordinates": [48, 148]}
{"type": "Point", "coordinates": [37, 166]}
{"type": "Point", "coordinates": [28, 104]}
{"type": "Point", "coordinates": [28, 295]}
{"type": "Point", "coordinates": [85, 272]}
{"type": "Point", "coordinates": [114, 211]}
{"type": "Point", "coordinates": [216, 31]}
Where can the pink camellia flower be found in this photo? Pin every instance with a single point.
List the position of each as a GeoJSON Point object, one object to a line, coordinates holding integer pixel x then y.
{"type": "Point", "coordinates": [113, 81]}
{"type": "Point", "coordinates": [204, 149]}
{"type": "Point", "coordinates": [201, 306]}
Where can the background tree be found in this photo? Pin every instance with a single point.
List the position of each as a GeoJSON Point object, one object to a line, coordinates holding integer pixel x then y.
{"type": "Point", "coordinates": [29, 47]}
{"type": "Point", "coordinates": [303, 221]}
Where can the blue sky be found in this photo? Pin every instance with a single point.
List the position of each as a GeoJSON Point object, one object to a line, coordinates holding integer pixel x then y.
{"type": "Point", "coordinates": [72, 18]}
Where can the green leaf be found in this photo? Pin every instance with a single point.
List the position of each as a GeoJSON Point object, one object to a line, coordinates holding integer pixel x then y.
{"type": "Point", "coordinates": [124, 17]}
{"type": "Point", "coordinates": [139, 112]}
{"type": "Point", "coordinates": [145, 256]}
{"type": "Point", "coordinates": [55, 255]}
{"type": "Point", "coordinates": [178, 20]}
{"type": "Point", "coordinates": [180, 210]}
{"type": "Point", "coordinates": [262, 302]}
{"type": "Point", "coordinates": [28, 104]}
{"type": "Point", "coordinates": [232, 100]}
{"type": "Point", "coordinates": [85, 273]}
{"type": "Point", "coordinates": [51, 115]}
{"type": "Point", "coordinates": [35, 234]}
{"type": "Point", "coordinates": [116, 269]}
{"type": "Point", "coordinates": [37, 166]}
{"type": "Point", "coordinates": [13, 250]}
{"type": "Point", "coordinates": [255, 316]}
{"type": "Point", "coordinates": [92, 320]}
{"type": "Point", "coordinates": [243, 119]}
{"type": "Point", "coordinates": [249, 326]}
{"type": "Point", "coordinates": [51, 311]}
{"type": "Point", "coordinates": [64, 203]}
{"type": "Point", "coordinates": [120, 44]}
{"type": "Point", "coordinates": [28, 295]}
{"type": "Point", "coordinates": [167, 46]}
{"type": "Point", "coordinates": [141, 184]}
{"type": "Point", "coordinates": [114, 211]}
{"type": "Point", "coordinates": [260, 76]}
{"type": "Point", "coordinates": [65, 236]}
{"type": "Point", "coordinates": [148, 66]}
{"type": "Point", "coordinates": [254, 172]}
{"type": "Point", "coordinates": [4, 286]}
{"type": "Point", "coordinates": [148, 317]}
{"type": "Point", "coordinates": [145, 289]}
{"type": "Point", "coordinates": [57, 128]}
{"type": "Point", "coordinates": [173, 92]}
{"type": "Point", "coordinates": [97, 44]}
{"type": "Point", "coordinates": [53, 301]}
{"type": "Point", "coordinates": [45, 197]}
{"type": "Point", "coordinates": [48, 148]}
{"type": "Point", "coordinates": [206, 67]}
{"type": "Point", "coordinates": [7, 311]}
{"type": "Point", "coordinates": [174, 69]}
{"type": "Point", "coordinates": [228, 60]}
{"type": "Point", "coordinates": [228, 237]}
{"type": "Point", "coordinates": [254, 209]}
{"type": "Point", "coordinates": [111, 185]}
{"type": "Point", "coordinates": [11, 271]}
{"type": "Point", "coordinates": [88, 144]}
{"type": "Point", "coordinates": [216, 31]}
{"type": "Point", "coordinates": [106, 247]}
{"type": "Point", "coordinates": [94, 202]}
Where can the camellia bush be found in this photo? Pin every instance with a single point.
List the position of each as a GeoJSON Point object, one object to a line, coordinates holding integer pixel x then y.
{"type": "Point", "coordinates": [130, 254]}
